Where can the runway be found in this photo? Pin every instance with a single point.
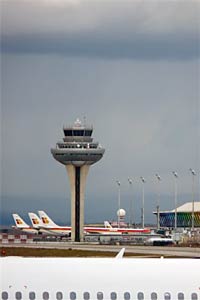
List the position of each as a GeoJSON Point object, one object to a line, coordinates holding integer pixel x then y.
{"type": "Point", "coordinates": [143, 250]}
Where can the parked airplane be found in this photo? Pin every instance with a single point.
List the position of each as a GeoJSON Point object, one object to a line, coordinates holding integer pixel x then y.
{"type": "Point", "coordinates": [108, 229]}
{"type": "Point", "coordinates": [20, 224]}
{"type": "Point", "coordinates": [124, 230]}
{"type": "Point", "coordinates": [47, 224]}
{"type": "Point", "coordinates": [38, 224]}
{"type": "Point", "coordinates": [99, 278]}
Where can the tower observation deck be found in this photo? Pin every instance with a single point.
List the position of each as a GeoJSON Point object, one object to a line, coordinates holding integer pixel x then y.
{"type": "Point", "coordinates": [77, 152]}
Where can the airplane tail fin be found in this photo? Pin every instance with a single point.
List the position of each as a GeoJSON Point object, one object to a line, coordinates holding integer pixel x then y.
{"type": "Point", "coordinates": [19, 221]}
{"type": "Point", "coordinates": [107, 224]}
{"type": "Point", "coordinates": [46, 220]}
{"type": "Point", "coordinates": [35, 220]}
{"type": "Point", "coordinates": [120, 254]}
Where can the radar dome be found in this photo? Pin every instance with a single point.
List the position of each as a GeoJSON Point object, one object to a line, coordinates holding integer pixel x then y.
{"type": "Point", "coordinates": [121, 212]}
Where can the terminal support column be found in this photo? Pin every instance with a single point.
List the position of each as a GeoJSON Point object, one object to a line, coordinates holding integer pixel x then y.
{"type": "Point", "coordinates": [77, 177]}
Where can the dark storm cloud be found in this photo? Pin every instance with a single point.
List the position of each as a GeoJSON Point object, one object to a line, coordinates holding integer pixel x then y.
{"type": "Point", "coordinates": [140, 90]}
{"type": "Point", "coordinates": [135, 30]}
{"type": "Point", "coordinates": [155, 47]}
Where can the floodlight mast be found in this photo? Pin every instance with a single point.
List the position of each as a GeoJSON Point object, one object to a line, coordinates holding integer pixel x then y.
{"type": "Point", "coordinates": [193, 173]}
{"type": "Point", "coordinates": [131, 219]}
{"type": "Point", "coordinates": [143, 182]}
{"type": "Point", "coordinates": [158, 201]}
{"type": "Point", "coordinates": [175, 198]}
{"type": "Point", "coordinates": [119, 202]}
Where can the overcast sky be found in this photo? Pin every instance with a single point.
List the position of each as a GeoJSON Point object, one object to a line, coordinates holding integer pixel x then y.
{"type": "Point", "coordinates": [132, 69]}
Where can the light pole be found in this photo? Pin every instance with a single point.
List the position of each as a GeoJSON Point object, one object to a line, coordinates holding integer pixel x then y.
{"type": "Point", "coordinates": [193, 177]}
{"type": "Point", "coordinates": [143, 182]}
{"type": "Point", "coordinates": [131, 204]}
{"type": "Point", "coordinates": [119, 202]}
{"type": "Point", "coordinates": [175, 199]}
{"type": "Point", "coordinates": [158, 202]}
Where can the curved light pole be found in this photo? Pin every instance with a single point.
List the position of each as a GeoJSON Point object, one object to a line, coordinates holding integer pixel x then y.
{"type": "Point", "coordinates": [193, 177]}
{"type": "Point", "coordinates": [119, 202]}
{"type": "Point", "coordinates": [143, 182]}
{"type": "Point", "coordinates": [158, 202]}
{"type": "Point", "coordinates": [175, 199]}
{"type": "Point", "coordinates": [130, 181]}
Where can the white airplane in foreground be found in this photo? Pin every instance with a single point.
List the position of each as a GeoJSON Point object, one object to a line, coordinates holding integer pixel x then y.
{"type": "Point", "coordinates": [99, 278]}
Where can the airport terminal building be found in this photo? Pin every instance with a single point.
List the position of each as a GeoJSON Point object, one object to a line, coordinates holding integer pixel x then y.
{"type": "Point", "coordinates": [184, 216]}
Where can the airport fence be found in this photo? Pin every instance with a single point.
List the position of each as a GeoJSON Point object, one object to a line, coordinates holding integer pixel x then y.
{"type": "Point", "coordinates": [15, 239]}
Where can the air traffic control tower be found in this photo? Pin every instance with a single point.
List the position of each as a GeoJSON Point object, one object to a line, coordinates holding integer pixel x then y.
{"type": "Point", "coordinates": [77, 152]}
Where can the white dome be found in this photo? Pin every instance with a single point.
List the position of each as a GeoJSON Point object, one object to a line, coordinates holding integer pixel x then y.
{"type": "Point", "coordinates": [121, 212]}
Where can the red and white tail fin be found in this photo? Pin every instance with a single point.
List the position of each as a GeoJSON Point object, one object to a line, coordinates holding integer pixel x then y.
{"type": "Point", "coordinates": [46, 220]}
{"type": "Point", "coordinates": [107, 225]}
{"type": "Point", "coordinates": [19, 221]}
{"type": "Point", "coordinates": [35, 220]}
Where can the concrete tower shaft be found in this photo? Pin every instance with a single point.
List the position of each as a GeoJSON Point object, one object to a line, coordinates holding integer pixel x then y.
{"type": "Point", "coordinates": [77, 152]}
{"type": "Point", "coordinates": [77, 179]}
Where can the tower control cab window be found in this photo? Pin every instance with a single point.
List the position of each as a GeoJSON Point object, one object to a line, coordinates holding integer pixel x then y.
{"type": "Point", "coordinates": [68, 132]}
{"type": "Point", "coordinates": [78, 132]}
{"type": "Point", "coordinates": [88, 132]}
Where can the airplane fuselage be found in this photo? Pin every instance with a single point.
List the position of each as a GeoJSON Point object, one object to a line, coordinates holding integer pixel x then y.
{"type": "Point", "coordinates": [97, 278]}
{"type": "Point", "coordinates": [59, 230]}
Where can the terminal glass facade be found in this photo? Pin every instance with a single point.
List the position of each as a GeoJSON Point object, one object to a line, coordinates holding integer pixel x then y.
{"type": "Point", "coordinates": [184, 219]}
